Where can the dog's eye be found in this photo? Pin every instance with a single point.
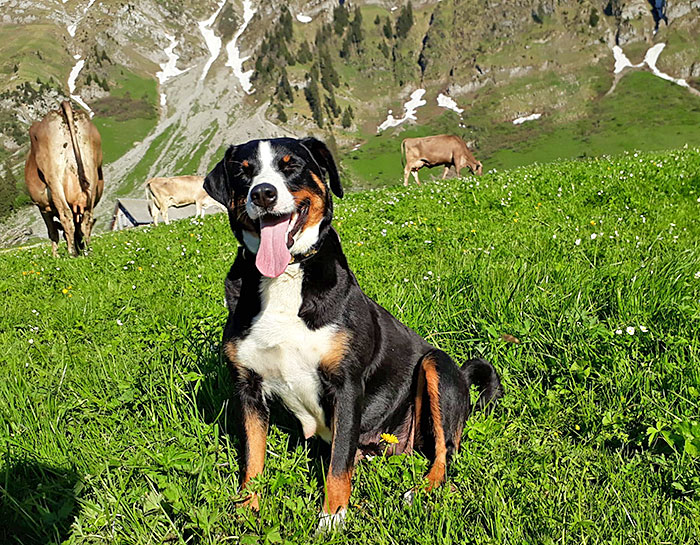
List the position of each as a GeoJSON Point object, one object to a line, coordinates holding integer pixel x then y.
{"type": "Point", "coordinates": [288, 164]}
{"type": "Point", "coordinates": [243, 168]}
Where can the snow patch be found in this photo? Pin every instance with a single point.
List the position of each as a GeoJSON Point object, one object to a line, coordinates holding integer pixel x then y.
{"type": "Point", "coordinates": [169, 68]}
{"type": "Point", "coordinates": [235, 60]}
{"type": "Point", "coordinates": [652, 55]}
{"type": "Point", "coordinates": [409, 107]}
{"type": "Point", "coordinates": [445, 101]}
{"type": "Point", "coordinates": [523, 119]}
{"type": "Point", "coordinates": [303, 18]}
{"type": "Point", "coordinates": [211, 39]}
{"type": "Point", "coordinates": [74, 25]}
{"type": "Point", "coordinates": [72, 78]}
{"type": "Point", "coordinates": [650, 58]}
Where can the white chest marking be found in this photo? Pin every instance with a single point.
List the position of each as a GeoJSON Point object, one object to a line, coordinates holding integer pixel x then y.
{"type": "Point", "coordinates": [286, 353]}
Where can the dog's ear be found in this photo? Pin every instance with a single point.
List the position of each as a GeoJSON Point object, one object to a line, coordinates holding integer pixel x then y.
{"type": "Point", "coordinates": [217, 184]}
{"type": "Point", "coordinates": [323, 156]}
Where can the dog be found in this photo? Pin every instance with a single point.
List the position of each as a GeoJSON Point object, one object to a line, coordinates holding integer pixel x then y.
{"type": "Point", "coordinates": [300, 329]}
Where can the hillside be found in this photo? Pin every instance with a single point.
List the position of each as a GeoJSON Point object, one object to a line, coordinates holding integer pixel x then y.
{"type": "Point", "coordinates": [172, 83]}
{"type": "Point", "coordinates": [579, 280]}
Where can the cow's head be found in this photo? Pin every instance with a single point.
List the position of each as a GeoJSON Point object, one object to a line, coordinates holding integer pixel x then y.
{"type": "Point", "coordinates": [278, 202]}
{"type": "Point", "coordinates": [478, 168]}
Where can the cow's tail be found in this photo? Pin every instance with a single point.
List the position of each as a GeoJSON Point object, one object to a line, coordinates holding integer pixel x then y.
{"type": "Point", "coordinates": [403, 152]}
{"type": "Point", "coordinates": [68, 117]}
{"type": "Point", "coordinates": [150, 197]}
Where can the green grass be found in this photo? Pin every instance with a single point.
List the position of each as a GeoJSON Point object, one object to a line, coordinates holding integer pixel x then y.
{"type": "Point", "coordinates": [123, 128]}
{"type": "Point", "coordinates": [644, 112]}
{"type": "Point", "coordinates": [113, 403]}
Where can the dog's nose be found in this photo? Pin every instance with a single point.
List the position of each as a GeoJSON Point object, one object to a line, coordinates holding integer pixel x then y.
{"type": "Point", "coordinates": [264, 195]}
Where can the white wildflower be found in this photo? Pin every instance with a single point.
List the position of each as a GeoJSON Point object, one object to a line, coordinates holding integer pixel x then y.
{"type": "Point", "coordinates": [630, 330]}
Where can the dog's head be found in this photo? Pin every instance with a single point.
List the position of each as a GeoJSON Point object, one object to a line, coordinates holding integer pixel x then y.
{"type": "Point", "coordinates": [278, 202]}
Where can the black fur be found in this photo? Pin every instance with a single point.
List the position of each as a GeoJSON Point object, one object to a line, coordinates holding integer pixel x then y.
{"type": "Point", "coordinates": [373, 389]}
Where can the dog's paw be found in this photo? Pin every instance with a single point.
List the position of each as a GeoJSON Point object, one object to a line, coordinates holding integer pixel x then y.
{"type": "Point", "coordinates": [329, 523]}
{"type": "Point", "coordinates": [409, 496]}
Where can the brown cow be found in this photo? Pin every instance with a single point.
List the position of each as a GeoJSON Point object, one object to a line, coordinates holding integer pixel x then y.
{"type": "Point", "coordinates": [63, 174]}
{"type": "Point", "coordinates": [431, 151]}
{"type": "Point", "coordinates": [177, 191]}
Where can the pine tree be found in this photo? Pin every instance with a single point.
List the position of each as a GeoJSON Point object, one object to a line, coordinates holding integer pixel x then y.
{"type": "Point", "coordinates": [304, 54]}
{"type": "Point", "coordinates": [346, 121]}
{"type": "Point", "coordinates": [341, 18]}
{"type": "Point", "coordinates": [284, 89]}
{"type": "Point", "coordinates": [314, 100]}
{"type": "Point", "coordinates": [388, 33]}
{"type": "Point", "coordinates": [405, 21]}
{"type": "Point", "coordinates": [356, 34]}
{"type": "Point", "coordinates": [281, 115]}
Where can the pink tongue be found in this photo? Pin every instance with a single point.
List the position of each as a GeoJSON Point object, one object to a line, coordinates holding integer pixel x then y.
{"type": "Point", "coordinates": [273, 255]}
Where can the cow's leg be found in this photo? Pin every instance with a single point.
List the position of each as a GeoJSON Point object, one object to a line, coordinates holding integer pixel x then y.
{"type": "Point", "coordinates": [415, 175]}
{"type": "Point", "coordinates": [53, 231]}
{"type": "Point", "coordinates": [164, 211]}
{"type": "Point", "coordinates": [444, 172]}
{"type": "Point", "coordinates": [406, 173]}
{"type": "Point", "coordinates": [199, 210]}
{"type": "Point", "coordinates": [65, 216]}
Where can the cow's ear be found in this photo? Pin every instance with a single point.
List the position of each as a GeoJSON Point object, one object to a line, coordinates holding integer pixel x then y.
{"type": "Point", "coordinates": [217, 183]}
{"type": "Point", "coordinates": [323, 156]}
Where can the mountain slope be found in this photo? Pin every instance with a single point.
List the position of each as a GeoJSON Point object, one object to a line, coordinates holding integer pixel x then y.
{"type": "Point", "coordinates": [171, 83]}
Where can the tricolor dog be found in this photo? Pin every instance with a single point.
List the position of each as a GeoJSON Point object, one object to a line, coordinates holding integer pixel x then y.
{"type": "Point", "coordinates": [301, 329]}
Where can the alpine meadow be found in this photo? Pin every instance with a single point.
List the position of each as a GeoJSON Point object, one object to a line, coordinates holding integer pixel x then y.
{"type": "Point", "coordinates": [579, 280]}
{"type": "Point", "coordinates": [219, 378]}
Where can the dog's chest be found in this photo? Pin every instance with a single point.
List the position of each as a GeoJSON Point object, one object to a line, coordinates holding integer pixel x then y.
{"type": "Point", "coordinates": [286, 353]}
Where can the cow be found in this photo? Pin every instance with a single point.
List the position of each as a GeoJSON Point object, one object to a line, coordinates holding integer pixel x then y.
{"type": "Point", "coordinates": [431, 151]}
{"type": "Point", "coordinates": [177, 191]}
{"type": "Point", "coordinates": [63, 174]}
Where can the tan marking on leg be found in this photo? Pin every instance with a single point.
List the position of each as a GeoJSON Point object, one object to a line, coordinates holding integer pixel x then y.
{"type": "Point", "coordinates": [418, 405]}
{"type": "Point", "coordinates": [256, 439]}
{"type": "Point", "coordinates": [436, 475]}
{"type": "Point", "coordinates": [337, 492]}
{"type": "Point", "coordinates": [339, 347]}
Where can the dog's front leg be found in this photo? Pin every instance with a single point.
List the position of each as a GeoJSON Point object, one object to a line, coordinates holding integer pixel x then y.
{"type": "Point", "coordinates": [346, 430]}
{"type": "Point", "coordinates": [254, 421]}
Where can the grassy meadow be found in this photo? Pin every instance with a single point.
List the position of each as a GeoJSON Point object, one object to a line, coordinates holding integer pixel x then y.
{"type": "Point", "coordinates": [580, 281]}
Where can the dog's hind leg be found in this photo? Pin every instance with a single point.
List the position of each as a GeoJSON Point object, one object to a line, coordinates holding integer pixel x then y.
{"type": "Point", "coordinates": [441, 408]}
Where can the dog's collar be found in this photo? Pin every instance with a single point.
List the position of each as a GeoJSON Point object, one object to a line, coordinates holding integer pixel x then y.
{"type": "Point", "coordinates": [247, 254]}
{"type": "Point", "coordinates": [303, 257]}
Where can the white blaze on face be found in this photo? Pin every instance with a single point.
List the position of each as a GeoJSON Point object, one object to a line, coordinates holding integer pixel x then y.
{"type": "Point", "coordinates": [269, 174]}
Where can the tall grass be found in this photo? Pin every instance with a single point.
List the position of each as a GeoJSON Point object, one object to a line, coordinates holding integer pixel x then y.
{"type": "Point", "coordinates": [579, 280]}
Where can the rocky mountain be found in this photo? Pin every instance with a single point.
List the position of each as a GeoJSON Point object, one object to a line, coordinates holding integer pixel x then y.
{"type": "Point", "coordinates": [172, 83]}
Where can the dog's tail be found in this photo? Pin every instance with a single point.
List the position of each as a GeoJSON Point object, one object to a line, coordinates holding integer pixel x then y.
{"type": "Point", "coordinates": [481, 373]}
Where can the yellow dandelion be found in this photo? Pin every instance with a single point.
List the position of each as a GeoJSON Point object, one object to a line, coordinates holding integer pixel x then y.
{"type": "Point", "coordinates": [473, 230]}
{"type": "Point", "coordinates": [64, 290]}
{"type": "Point", "coordinates": [140, 268]}
{"type": "Point", "coordinates": [592, 222]}
{"type": "Point", "coordinates": [439, 229]}
{"type": "Point", "coordinates": [515, 220]}
{"type": "Point", "coordinates": [389, 438]}
{"type": "Point", "coordinates": [70, 295]}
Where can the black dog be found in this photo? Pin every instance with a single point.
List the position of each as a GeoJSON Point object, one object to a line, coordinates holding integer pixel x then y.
{"type": "Point", "coordinates": [300, 328]}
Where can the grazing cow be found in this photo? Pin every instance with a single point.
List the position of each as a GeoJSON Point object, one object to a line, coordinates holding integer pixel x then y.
{"type": "Point", "coordinates": [177, 191]}
{"type": "Point", "coordinates": [63, 174]}
{"type": "Point", "coordinates": [431, 151]}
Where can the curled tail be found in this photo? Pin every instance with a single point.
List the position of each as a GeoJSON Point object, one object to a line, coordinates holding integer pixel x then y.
{"type": "Point", "coordinates": [481, 373]}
